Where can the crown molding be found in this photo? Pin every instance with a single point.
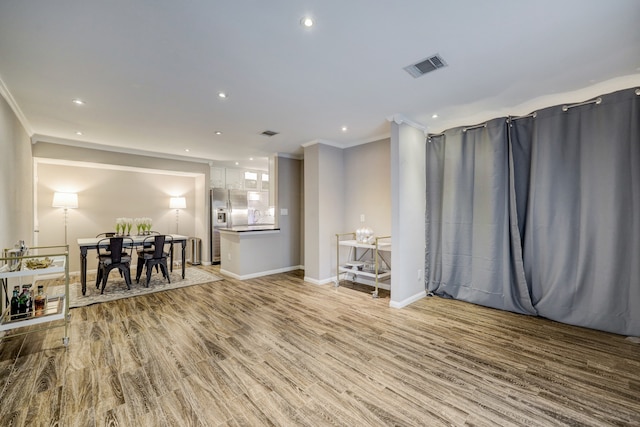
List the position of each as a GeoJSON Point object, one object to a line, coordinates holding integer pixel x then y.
{"type": "Point", "coordinates": [323, 142]}
{"type": "Point", "coordinates": [121, 150]}
{"type": "Point", "coordinates": [6, 94]}
{"type": "Point", "coordinates": [288, 156]}
{"type": "Point", "coordinates": [402, 119]}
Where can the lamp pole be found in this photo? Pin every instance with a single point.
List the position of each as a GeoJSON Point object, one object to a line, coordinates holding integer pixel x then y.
{"type": "Point", "coordinates": [65, 226]}
{"type": "Point", "coordinates": [177, 203]}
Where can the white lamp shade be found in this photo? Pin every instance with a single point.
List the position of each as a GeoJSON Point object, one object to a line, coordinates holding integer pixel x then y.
{"type": "Point", "coordinates": [65, 200]}
{"type": "Point", "coordinates": [178, 203]}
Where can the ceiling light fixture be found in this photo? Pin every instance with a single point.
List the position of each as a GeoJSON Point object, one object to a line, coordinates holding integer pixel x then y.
{"type": "Point", "coordinates": [222, 95]}
{"type": "Point", "coordinates": [78, 101]}
{"type": "Point", "coordinates": [251, 158]}
{"type": "Point", "coordinates": [307, 22]}
{"type": "Point", "coordinates": [79, 133]}
{"type": "Point", "coordinates": [344, 128]}
{"type": "Point", "coordinates": [186, 149]}
{"type": "Point", "coordinates": [435, 116]}
{"type": "Point", "coordinates": [237, 163]}
{"type": "Point", "coordinates": [218, 132]}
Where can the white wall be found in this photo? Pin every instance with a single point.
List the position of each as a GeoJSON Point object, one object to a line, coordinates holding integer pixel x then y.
{"type": "Point", "coordinates": [311, 212]}
{"type": "Point", "coordinates": [408, 189]}
{"type": "Point", "coordinates": [367, 187]}
{"type": "Point", "coordinates": [146, 182]}
{"type": "Point", "coordinates": [16, 180]}
{"type": "Point", "coordinates": [324, 210]}
{"type": "Point", "coordinates": [289, 182]}
{"type": "Point", "coordinates": [103, 196]}
{"type": "Point", "coordinates": [339, 186]}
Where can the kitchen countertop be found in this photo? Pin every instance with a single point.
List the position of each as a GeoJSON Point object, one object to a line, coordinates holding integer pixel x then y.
{"type": "Point", "coordinates": [251, 228]}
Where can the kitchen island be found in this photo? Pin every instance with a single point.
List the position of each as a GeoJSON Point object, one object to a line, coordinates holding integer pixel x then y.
{"type": "Point", "coordinates": [252, 251]}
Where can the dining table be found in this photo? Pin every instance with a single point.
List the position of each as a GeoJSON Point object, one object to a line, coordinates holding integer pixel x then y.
{"type": "Point", "coordinates": [87, 243]}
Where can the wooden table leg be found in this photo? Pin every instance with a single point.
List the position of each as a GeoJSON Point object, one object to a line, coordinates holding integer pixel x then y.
{"type": "Point", "coordinates": [83, 269]}
{"type": "Point", "coordinates": [184, 251]}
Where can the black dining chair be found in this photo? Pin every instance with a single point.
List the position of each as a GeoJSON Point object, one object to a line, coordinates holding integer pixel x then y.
{"type": "Point", "coordinates": [154, 254]}
{"type": "Point", "coordinates": [114, 252]}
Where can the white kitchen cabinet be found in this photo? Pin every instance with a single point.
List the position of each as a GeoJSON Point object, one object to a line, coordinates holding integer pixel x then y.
{"type": "Point", "coordinates": [57, 307]}
{"type": "Point", "coordinates": [234, 179]}
{"type": "Point", "coordinates": [365, 260]}
{"type": "Point", "coordinates": [218, 178]}
{"type": "Point", "coordinates": [251, 180]}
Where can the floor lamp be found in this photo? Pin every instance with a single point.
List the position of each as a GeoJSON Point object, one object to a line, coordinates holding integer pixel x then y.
{"type": "Point", "coordinates": [177, 203]}
{"type": "Point", "coordinates": [66, 201]}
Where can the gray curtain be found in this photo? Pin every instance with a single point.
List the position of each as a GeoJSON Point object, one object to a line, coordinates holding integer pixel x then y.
{"type": "Point", "coordinates": [473, 248]}
{"type": "Point", "coordinates": [541, 215]}
{"type": "Point", "coordinates": [577, 187]}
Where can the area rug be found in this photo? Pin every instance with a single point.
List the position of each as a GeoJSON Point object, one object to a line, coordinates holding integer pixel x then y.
{"type": "Point", "coordinates": [117, 288]}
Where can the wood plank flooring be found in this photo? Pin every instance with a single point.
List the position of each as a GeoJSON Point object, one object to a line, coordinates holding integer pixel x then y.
{"type": "Point", "coordinates": [276, 351]}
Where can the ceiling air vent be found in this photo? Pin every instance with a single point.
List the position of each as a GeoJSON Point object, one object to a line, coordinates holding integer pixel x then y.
{"type": "Point", "coordinates": [425, 66]}
{"type": "Point", "coordinates": [269, 133]}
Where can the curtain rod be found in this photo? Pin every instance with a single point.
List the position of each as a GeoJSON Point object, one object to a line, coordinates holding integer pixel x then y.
{"type": "Point", "coordinates": [596, 101]}
{"type": "Point", "coordinates": [534, 115]}
{"type": "Point", "coordinates": [482, 125]}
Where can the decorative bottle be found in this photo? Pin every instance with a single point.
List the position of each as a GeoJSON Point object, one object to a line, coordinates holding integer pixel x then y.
{"type": "Point", "coordinates": [15, 301]}
{"type": "Point", "coordinates": [25, 304]}
{"type": "Point", "coordinates": [40, 301]}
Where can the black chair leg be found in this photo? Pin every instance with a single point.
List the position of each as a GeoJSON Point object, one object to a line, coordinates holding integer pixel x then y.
{"type": "Point", "coordinates": [127, 276]}
{"type": "Point", "coordinates": [98, 276]}
{"type": "Point", "coordinates": [139, 268]}
{"type": "Point", "coordinates": [149, 271]}
{"type": "Point", "coordinates": [165, 271]}
{"type": "Point", "coordinates": [104, 280]}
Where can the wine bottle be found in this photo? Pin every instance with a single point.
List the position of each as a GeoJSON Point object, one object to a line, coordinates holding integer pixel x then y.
{"type": "Point", "coordinates": [40, 301]}
{"type": "Point", "coordinates": [15, 301]}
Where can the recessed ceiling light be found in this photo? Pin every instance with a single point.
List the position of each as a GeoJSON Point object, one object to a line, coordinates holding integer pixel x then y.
{"type": "Point", "coordinates": [251, 158]}
{"type": "Point", "coordinates": [237, 163]}
{"type": "Point", "coordinates": [78, 133]}
{"type": "Point", "coordinates": [307, 22]}
{"type": "Point", "coordinates": [344, 128]}
{"type": "Point", "coordinates": [218, 132]}
{"type": "Point", "coordinates": [222, 95]}
{"type": "Point", "coordinates": [186, 149]}
{"type": "Point", "coordinates": [78, 101]}
{"type": "Point", "coordinates": [435, 116]}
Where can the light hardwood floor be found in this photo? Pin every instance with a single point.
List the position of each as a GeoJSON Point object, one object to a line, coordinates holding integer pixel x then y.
{"type": "Point", "coordinates": [278, 351]}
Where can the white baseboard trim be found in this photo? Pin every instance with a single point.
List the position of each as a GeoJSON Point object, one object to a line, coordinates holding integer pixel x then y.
{"type": "Point", "coordinates": [319, 282]}
{"type": "Point", "coordinates": [407, 301]}
{"type": "Point", "coordinates": [369, 282]}
{"type": "Point", "coordinates": [259, 274]}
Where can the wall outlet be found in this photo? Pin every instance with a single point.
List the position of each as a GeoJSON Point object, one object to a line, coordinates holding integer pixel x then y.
{"type": "Point", "coordinates": [419, 274]}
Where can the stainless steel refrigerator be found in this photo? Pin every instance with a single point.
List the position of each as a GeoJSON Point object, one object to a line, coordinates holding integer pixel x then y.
{"type": "Point", "coordinates": [228, 209]}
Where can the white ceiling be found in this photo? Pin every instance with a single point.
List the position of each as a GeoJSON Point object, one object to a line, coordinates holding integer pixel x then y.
{"type": "Point", "coordinates": [150, 70]}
